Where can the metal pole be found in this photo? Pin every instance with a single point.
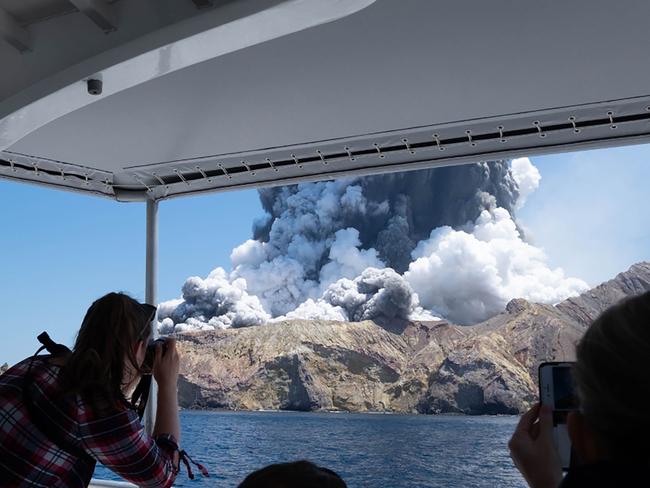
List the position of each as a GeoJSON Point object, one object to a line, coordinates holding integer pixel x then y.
{"type": "Point", "coordinates": [151, 292]}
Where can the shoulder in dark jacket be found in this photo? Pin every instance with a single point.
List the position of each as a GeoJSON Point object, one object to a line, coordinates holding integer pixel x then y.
{"type": "Point", "coordinates": [608, 475]}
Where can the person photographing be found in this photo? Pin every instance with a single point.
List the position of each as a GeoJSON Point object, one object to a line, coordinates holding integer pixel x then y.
{"type": "Point", "coordinates": [609, 431]}
{"type": "Point", "coordinates": [61, 413]}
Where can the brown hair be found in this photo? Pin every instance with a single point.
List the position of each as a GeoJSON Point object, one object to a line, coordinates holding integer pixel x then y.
{"type": "Point", "coordinates": [298, 474]}
{"type": "Point", "coordinates": [112, 327]}
{"type": "Point", "coordinates": [613, 378]}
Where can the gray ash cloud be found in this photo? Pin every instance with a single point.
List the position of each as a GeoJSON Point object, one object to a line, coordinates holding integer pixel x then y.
{"type": "Point", "coordinates": [438, 242]}
{"type": "Point", "coordinates": [401, 209]}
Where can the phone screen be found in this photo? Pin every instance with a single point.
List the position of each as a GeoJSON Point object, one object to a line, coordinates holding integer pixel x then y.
{"type": "Point", "coordinates": [557, 390]}
{"type": "Point", "coordinates": [564, 397]}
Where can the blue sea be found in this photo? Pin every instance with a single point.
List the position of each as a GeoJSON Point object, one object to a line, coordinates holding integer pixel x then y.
{"type": "Point", "coordinates": [367, 450]}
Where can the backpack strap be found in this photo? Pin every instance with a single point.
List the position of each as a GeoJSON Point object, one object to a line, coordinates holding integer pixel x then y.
{"type": "Point", "coordinates": [36, 415]}
{"type": "Point", "coordinates": [52, 347]}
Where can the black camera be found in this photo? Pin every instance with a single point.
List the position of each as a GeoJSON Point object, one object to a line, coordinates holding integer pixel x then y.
{"type": "Point", "coordinates": [95, 87]}
{"type": "Point", "coordinates": [150, 354]}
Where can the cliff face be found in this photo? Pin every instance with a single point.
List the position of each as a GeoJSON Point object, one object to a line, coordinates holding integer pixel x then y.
{"type": "Point", "coordinates": [297, 365]}
{"type": "Point", "coordinates": [426, 367]}
{"type": "Point", "coordinates": [4, 368]}
{"type": "Point", "coordinates": [586, 307]}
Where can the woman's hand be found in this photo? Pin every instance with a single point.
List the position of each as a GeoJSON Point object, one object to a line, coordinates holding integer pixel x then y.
{"type": "Point", "coordinates": [165, 366]}
{"type": "Point", "coordinates": [533, 451]}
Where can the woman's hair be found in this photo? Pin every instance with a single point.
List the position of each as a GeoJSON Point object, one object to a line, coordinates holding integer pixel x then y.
{"type": "Point", "coordinates": [111, 329]}
{"type": "Point", "coordinates": [299, 474]}
{"type": "Point", "coordinates": [612, 375]}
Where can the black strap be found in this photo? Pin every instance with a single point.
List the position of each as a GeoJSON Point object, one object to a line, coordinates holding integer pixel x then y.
{"type": "Point", "coordinates": [52, 347]}
{"type": "Point", "coordinates": [141, 394]}
{"type": "Point", "coordinates": [35, 414]}
{"type": "Point", "coordinates": [185, 457]}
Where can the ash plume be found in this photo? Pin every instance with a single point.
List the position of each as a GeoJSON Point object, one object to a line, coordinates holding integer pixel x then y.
{"type": "Point", "coordinates": [393, 212]}
{"type": "Point", "coordinates": [438, 242]}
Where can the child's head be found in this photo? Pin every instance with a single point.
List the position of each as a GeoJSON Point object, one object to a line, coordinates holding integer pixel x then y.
{"type": "Point", "coordinates": [299, 474]}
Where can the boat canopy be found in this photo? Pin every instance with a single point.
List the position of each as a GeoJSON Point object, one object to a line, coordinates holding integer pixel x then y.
{"type": "Point", "coordinates": [143, 100]}
{"type": "Point", "coordinates": [151, 99]}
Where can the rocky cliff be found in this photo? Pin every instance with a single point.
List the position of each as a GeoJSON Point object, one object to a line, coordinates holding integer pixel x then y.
{"type": "Point", "coordinates": [426, 367]}
{"type": "Point", "coordinates": [586, 307]}
{"type": "Point", "coordinates": [4, 368]}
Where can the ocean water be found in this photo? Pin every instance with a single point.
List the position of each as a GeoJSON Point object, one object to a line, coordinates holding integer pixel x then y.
{"type": "Point", "coordinates": [388, 451]}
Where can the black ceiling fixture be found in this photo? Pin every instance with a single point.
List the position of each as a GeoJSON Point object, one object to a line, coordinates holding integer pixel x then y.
{"type": "Point", "coordinates": [202, 3]}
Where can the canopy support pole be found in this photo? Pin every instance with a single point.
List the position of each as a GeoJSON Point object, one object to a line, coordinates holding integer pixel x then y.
{"type": "Point", "coordinates": [151, 291]}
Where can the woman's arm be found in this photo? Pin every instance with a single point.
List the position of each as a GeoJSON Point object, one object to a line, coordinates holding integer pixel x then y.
{"type": "Point", "coordinates": [165, 372]}
{"type": "Point", "coordinates": [119, 442]}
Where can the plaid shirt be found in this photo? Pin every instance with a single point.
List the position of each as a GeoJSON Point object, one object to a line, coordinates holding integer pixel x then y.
{"type": "Point", "coordinates": [117, 440]}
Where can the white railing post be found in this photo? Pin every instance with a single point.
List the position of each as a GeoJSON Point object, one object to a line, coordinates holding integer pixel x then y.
{"type": "Point", "coordinates": [151, 291]}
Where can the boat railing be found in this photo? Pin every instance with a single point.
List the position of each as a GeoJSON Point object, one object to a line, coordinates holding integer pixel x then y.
{"type": "Point", "coordinates": [110, 484]}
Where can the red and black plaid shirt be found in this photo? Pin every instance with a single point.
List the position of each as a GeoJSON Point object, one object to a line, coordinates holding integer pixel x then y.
{"type": "Point", "coordinates": [117, 440]}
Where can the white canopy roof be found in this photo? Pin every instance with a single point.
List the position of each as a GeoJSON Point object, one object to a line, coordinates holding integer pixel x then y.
{"type": "Point", "coordinates": [255, 93]}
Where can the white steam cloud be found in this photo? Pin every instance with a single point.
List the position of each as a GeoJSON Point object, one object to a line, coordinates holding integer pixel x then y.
{"type": "Point", "coordinates": [382, 247]}
{"type": "Point", "coordinates": [527, 177]}
{"type": "Point", "coordinates": [470, 275]}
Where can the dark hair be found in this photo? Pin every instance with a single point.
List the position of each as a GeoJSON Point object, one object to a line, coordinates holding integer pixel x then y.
{"type": "Point", "coordinates": [612, 378]}
{"type": "Point", "coordinates": [299, 474]}
{"type": "Point", "coordinates": [113, 325]}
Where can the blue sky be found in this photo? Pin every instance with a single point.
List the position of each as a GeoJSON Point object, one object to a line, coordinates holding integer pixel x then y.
{"type": "Point", "coordinates": [589, 214]}
{"type": "Point", "coordinates": [78, 248]}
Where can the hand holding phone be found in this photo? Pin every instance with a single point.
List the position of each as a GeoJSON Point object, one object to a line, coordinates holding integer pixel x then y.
{"type": "Point", "coordinates": [533, 450]}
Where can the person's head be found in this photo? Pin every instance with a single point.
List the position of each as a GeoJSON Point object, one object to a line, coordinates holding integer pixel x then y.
{"type": "Point", "coordinates": [110, 347]}
{"type": "Point", "coordinates": [299, 474]}
{"type": "Point", "coordinates": [612, 375]}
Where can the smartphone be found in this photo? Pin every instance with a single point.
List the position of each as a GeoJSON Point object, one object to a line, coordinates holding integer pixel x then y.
{"type": "Point", "coordinates": [557, 389]}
